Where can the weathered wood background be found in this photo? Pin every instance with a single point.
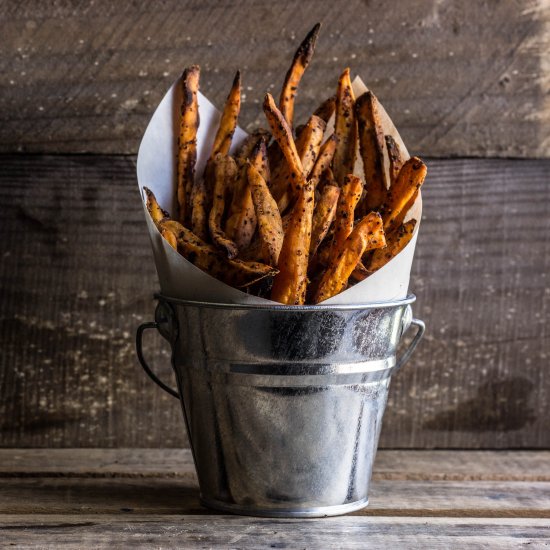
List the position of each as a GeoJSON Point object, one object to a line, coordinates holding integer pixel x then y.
{"type": "Point", "coordinates": [460, 79]}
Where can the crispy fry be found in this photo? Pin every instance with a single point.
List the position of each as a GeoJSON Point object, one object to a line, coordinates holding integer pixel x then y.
{"type": "Point", "coordinates": [326, 109]}
{"type": "Point", "coordinates": [282, 133]}
{"type": "Point", "coordinates": [371, 147]}
{"type": "Point", "coordinates": [396, 158]}
{"type": "Point", "coordinates": [200, 199]}
{"type": "Point", "coordinates": [308, 146]}
{"type": "Point", "coordinates": [258, 159]}
{"type": "Point", "coordinates": [187, 142]}
{"type": "Point", "coordinates": [396, 242]}
{"type": "Point", "coordinates": [410, 178]}
{"type": "Point", "coordinates": [241, 222]}
{"type": "Point", "coordinates": [323, 215]}
{"type": "Point", "coordinates": [225, 172]}
{"type": "Point", "coordinates": [343, 225]}
{"type": "Point", "coordinates": [345, 129]}
{"type": "Point", "coordinates": [360, 273]}
{"type": "Point", "coordinates": [301, 60]}
{"type": "Point", "coordinates": [206, 257]}
{"type": "Point", "coordinates": [228, 122]}
{"type": "Point", "coordinates": [170, 237]}
{"type": "Point", "coordinates": [290, 284]}
{"type": "Point", "coordinates": [153, 207]}
{"type": "Point", "coordinates": [250, 143]}
{"type": "Point", "coordinates": [367, 235]}
{"type": "Point", "coordinates": [324, 159]}
{"type": "Point", "coordinates": [270, 225]}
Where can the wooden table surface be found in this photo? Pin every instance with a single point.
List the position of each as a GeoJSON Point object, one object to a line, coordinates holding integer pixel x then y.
{"type": "Point", "coordinates": [101, 498]}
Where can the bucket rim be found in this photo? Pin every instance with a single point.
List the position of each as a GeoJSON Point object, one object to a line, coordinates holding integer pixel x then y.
{"type": "Point", "coordinates": [409, 299]}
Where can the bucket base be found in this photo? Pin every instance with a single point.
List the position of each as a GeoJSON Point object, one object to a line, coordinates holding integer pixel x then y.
{"type": "Point", "coordinates": [316, 512]}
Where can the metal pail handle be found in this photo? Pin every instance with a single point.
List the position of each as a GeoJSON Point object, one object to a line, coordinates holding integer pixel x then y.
{"type": "Point", "coordinates": [165, 323]}
{"type": "Point", "coordinates": [408, 320]}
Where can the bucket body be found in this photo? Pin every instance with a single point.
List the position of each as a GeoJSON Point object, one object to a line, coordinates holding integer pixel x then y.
{"type": "Point", "coordinates": [283, 405]}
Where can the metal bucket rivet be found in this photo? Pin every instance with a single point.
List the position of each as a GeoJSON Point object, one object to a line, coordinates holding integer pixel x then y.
{"type": "Point", "coordinates": [283, 405]}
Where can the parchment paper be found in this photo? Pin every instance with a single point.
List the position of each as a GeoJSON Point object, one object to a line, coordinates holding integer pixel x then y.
{"type": "Point", "coordinates": [156, 169]}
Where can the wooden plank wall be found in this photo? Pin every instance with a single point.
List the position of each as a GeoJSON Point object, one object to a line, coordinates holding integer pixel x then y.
{"type": "Point", "coordinates": [459, 78]}
{"type": "Point", "coordinates": [77, 278]}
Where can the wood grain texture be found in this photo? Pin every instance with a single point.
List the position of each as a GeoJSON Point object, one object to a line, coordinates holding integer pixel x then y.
{"type": "Point", "coordinates": [458, 78]}
{"type": "Point", "coordinates": [131, 506]}
{"type": "Point", "coordinates": [199, 532]}
{"type": "Point", "coordinates": [390, 465]}
{"type": "Point", "coordinates": [76, 278]}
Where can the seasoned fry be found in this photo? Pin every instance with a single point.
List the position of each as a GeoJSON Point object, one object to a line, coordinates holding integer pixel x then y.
{"type": "Point", "coordinates": [349, 197]}
{"type": "Point", "coordinates": [301, 60]}
{"type": "Point", "coordinates": [326, 109]}
{"type": "Point", "coordinates": [270, 225]}
{"type": "Point", "coordinates": [187, 142]}
{"type": "Point", "coordinates": [250, 143]}
{"type": "Point", "coordinates": [308, 146]}
{"type": "Point", "coordinates": [259, 160]}
{"type": "Point", "coordinates": [323, 215]}
{"type": "Point", "coordinates": [367, 235]}
{"type": "Point", "coordinates": [371, 147]}
{"type": "Point", "coordinates": [409, 181]}
{"type": "Point", "coordinates": [324, 159]}
{"type": "Point", "coordinates": [228, 121]}
{"type": "Point", "coordinates": [170, 237]}
{"type": "Point", "coordinates": [396, 241]}
{"type": "Point", "coordinates": [241, 222]}
{"type": "Point", "coordinates": [201, 205]}
{"type": "Point", "coordinates": [345, 129]}
{"type": "Point", "coordinates": [153, 207]}
{"type": "Point", "coordinates": [396, 158]}
{"type": "Point", "coordinates": [236, 273]}
{"type": "Point", "coordinates": [225, 172]}
{"type": "Point", "coordinates": [289, 285]}
{"type": "Point", "coordinates": [282, 133]}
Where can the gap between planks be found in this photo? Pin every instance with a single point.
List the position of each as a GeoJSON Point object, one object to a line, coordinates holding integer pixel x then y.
{"type": "Point", "coordinates": [396, 465]}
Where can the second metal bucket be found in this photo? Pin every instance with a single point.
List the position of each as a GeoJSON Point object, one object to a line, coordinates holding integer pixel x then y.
{"type": "Point", "coordinates": [283, 405]}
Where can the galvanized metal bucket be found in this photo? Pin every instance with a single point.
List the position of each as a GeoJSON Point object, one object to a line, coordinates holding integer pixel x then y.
{"type": "Point", "coordinates": [283, 405]}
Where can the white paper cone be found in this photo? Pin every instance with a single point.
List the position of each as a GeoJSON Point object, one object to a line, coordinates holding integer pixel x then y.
{"type": "Point", "coordinates": [178, 278]}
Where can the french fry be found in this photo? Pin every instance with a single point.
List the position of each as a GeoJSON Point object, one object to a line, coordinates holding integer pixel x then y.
{"type": "Point", "coordinates": [200, 199]}
{"type": "Point", "coordinates": [343, 225]}
{"type": "Point", "coordinates": [371, 148]}
{"type": "Point", "coordinates": [308, 146]}
{"type": "Point", "coordinates": [250, 143]}
{"type": "Point", "coordinates": [170, 237]}
{"type": "Point", "coordinates": [396, 241]}
{"type": "Point", "coordinates": [206, 257]}
{"type": "Point", "coordinates": [270, 225]}
{"type": "Point", "coordinates": [155, 211]}
{"type": "Point", "coordinates": [225, 171]}
{"type": "Point", "coordinates": [258, 159]}
{"type": "Point", "coordinates": [326, 109]}
{"type": "Point", "coordinates": [283, 134]}
{"type": "Point", "coordinates": [410, 179]}
{"type": "Point", "coordinates": [323, 215]}
{"type": "Point", "coordinates": [301, 60]}
{"type": "Point", "coordinates": [368, 234]}
{"type": "Point", "coordinates": [290, 284]}
{"type": "Point", "coordinates": [324, 159]}
{"type": "Point", "coordinates": [344, 129]}
{"type": "Point", "coordinates": [241, 222]}
{"type": "Point", "coordinates": [395, 157]}
{"type": "Point", "coordinates": [187, 142]}
{"type": "Point", "coordinates": [228, 121]}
